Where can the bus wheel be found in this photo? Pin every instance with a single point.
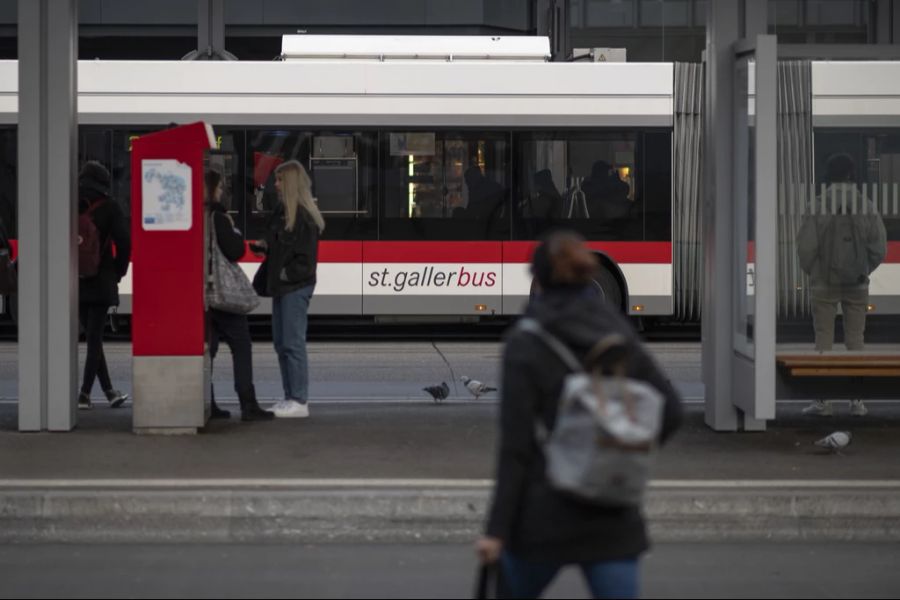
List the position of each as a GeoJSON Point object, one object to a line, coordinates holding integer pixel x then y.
{"type": "Point", "coordinates": [607, 286]}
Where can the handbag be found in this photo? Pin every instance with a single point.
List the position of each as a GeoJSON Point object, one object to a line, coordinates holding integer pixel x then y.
{"type": "Point", "coordinates": [227, 286]}
{"type": "Point", "coordinates": [489, 583]}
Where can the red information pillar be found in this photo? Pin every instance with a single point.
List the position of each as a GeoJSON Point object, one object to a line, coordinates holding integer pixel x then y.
{"type": "Point", "coordinates": [171, 366]}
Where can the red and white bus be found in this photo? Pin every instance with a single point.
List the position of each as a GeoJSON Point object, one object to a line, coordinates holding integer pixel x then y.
{"type": "Point", "coordinates": [438, 162]}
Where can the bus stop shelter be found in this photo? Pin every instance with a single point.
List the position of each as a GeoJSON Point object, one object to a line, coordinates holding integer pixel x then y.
{"type": "Point", "coordinates": [748, 225]}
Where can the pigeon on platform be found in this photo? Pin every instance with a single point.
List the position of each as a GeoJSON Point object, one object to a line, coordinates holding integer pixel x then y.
{"type": "Point", "coordinates": [475, 387]}
{"type": "Point", "coordinates": [836, 441]}
{"type": "Point", "coordinates": [438, 392]}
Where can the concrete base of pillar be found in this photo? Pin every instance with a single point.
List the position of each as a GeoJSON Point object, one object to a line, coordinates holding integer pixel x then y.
{"type": "Point", "coordinates": [171, 394]}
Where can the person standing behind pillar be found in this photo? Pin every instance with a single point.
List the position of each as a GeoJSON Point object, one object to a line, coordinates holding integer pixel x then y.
{"type": "Point", "coordinates": [99, 290]}
{"type": "Point", "coordinates": [288, 275]}
{"type": "Point", "coordinates": [233, 328]}
{"type": "Point", "coordinates": [839, 249]}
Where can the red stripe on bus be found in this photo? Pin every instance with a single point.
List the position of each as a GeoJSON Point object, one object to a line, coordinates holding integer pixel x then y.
{"type": "Point", "coordinates": [893, 252]}
{"type": "Point", "coordinates": [472, 252]}
{"type": "Point", "coordinates": [620, 252]}
{"type": "Point", "coordinates": [512, 252]}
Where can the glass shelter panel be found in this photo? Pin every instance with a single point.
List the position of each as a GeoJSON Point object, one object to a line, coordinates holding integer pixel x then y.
{"type": "Point", "coordinates": [838, 242]}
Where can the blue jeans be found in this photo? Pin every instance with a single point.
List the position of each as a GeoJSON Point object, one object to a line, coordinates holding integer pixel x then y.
{"type": "Point", "coordinates": [289, 320]}
{"type": "Point", "coordinates": [606, 579]}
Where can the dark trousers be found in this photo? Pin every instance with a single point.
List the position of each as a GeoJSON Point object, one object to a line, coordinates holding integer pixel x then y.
{"type": "Point", "coordinates": [93, 320]}
{"type": "Point", "coordinates": [234, 330]}
{"type": "Point", "coordinates": [854, 304]}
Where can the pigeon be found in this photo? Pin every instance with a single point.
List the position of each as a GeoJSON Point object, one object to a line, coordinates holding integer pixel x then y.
{"type": "Point", "coordinates": [836, 441]}
{"type": "Point", "coordinates": [475, 387]}
{"type": "Point", "coordinates": [438, 392]}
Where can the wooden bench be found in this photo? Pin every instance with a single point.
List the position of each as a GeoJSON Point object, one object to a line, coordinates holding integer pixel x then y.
{"type": "Point", "coordinates": [805, 365]}
{"type": "Point", "coordinates": [838, 375]}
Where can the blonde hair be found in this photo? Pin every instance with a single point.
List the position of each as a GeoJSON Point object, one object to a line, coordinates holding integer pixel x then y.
{"type": "Point", "coordinates": [296, 194]}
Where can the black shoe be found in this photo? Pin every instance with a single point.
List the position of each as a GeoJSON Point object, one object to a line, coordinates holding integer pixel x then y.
{"type": "Point", "coordinates": [218, 413]}
{"type": "Point", "coordinates": [116, 398]}
{"type": "Point", "coordinates": [255, 413]}
{"type": "Point", "coordinates": [84, 401]}
{"type": "Point", "coordinates": [250, 409]}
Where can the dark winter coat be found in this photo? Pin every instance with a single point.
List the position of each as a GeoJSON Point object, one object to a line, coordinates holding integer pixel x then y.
{"type": "Point", "coordinates": [291, 256]}
{"type": "Point", "coordinates": [113, 229]}
{"type": "Point", "coordinates": [535, 521]}
{"type": "Point", "coordinates": [229, 239]}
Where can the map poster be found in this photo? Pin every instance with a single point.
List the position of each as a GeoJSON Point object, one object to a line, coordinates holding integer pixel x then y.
{"type": "Point", "coordinates": [166, 191]}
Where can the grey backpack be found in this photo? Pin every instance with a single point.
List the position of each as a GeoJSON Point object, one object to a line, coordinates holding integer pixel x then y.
{"type": "Point", "coordinates": [604, 440]}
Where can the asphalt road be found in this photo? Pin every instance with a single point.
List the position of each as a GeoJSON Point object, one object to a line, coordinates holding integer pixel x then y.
{"type": "Point", "coordinates": [430, 571]}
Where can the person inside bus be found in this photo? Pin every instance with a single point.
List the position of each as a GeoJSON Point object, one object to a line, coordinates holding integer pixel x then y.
{"type": "Point", "coordinates": [606, 193]}
{"type": "Point", "coordinates": [233, 328]}
{"type": "Point", "coordinates": [485, 195]}
{"type": "Point", "coordinates": [547, 202]}
{"type": "Point", "coordinates": [427, 205]}
{"type": "Point", "coordinates": [288, 276]}
{"type": "Point", "coordinates": [98, 292]}
{"type": "Point", "coordinates": [839, 251]}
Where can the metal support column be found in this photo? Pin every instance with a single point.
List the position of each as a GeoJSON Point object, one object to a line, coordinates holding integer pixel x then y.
{"type": "Point", "coordinates": [756, 23]}
{"type": "Point", "coordinates": [210, 32]}
{"type": "Point", "coordinates": [48, 268]}
{"type": "Point", "coordinates": [721, 33]}
{"type": "Point", "coordinates": [551, 18]}
{"type": "Point", "coordinates": [879, 28]}
{"type": "Point", "coordinates": [895, 22]}
{"type": "Point", "coordinates": [753, 19]}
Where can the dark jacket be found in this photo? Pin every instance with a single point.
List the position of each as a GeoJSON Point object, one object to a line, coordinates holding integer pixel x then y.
{"type": "Point", "coordinates": [229, 239]}
{"type": "Point", "coordinates": [535, 521]}
{"type": "Point", "coordinates": [112, 227]}
{"type": "Point", "coordinates": [291, 256]}
{"type": "Point", "coordinates": [816, 242]}
{"type": "Point", "coordinates": [4, 238]}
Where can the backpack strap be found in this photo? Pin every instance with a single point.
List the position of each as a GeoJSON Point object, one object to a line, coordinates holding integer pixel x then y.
{"type": "Point", "coordinates": [529, 325]}
{"type": "Point", "coordinates": [568, 358]}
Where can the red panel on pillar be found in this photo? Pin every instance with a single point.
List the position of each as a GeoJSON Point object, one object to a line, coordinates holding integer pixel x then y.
{"type": "Point", "coordinates": [167, 257]}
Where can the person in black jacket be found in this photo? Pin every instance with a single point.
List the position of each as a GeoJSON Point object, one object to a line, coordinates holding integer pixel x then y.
{"type": "Point", "coordinates": [533, 529]}
{"type": "Point", "coordinates": [98, 292]}
{"type": "Point", "coordinates": [231, 327]}
{"type": "Point", "coordinates": [288, 275]}
{"type": "Point", "coordinates": [607, 194]}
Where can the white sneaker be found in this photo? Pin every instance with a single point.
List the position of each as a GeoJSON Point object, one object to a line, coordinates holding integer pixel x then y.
{"type": "Point", "coordinates": [820, 408]}
{"type": "Point", "coordinates": [858, 409]}
{"type": "Point", "coordinates": [292, 410]}
{"type": "Point", "coordinates": [279, 405]}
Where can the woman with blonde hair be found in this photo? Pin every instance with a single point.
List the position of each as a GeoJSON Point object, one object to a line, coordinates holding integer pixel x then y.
{"type": "Point", "coordinates": [288, 276]}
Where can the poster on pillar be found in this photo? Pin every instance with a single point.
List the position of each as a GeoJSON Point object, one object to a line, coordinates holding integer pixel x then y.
{"type": "Point", "coordinates": [166, 190]}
